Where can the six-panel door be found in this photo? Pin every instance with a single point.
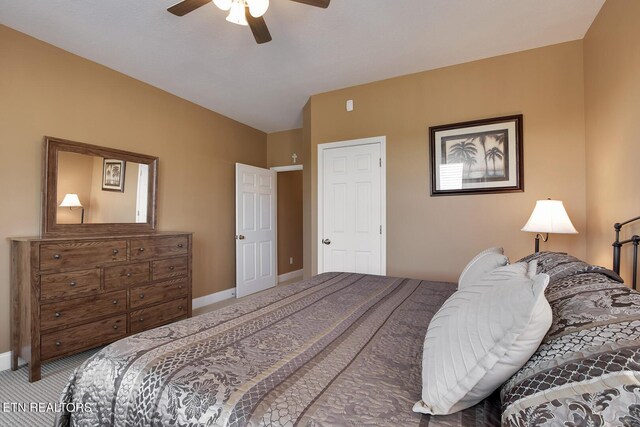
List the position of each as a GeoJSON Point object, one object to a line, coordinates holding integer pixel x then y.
{"type": "Point", "coordinates": [352, 209]}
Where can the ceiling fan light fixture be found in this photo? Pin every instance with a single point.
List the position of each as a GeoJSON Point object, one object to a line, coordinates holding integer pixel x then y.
{"type": "Point", "coordinates": [237, 14]}
{"type": "Point", "coordinates": [257, 8]}
{"type": "Point", "coordinates": [223, 4]}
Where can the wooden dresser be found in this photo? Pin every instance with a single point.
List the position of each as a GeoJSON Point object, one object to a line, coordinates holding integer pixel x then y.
{"type": "Point", "coordinates": [72, 294]}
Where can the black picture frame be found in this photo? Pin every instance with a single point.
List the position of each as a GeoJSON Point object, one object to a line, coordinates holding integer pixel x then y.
{"type": "Point", "coordinates": [113, 175]}
{"type": "Point", "coordinates": [477, 157]}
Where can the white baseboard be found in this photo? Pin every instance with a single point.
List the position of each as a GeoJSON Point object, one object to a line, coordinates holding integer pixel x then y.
{"type": "Point", "coordinates": [290, 275]}
{"type": "Point", "coordinates": [5, 361]}
{"type": "Point", "coordinates": [213, 298]}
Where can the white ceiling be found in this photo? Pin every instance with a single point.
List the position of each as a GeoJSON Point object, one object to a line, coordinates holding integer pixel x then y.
{"type": "Point", "coordinates": [206, 60]}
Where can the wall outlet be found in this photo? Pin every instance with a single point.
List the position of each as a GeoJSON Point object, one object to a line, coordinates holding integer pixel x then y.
{"type": "Point", "coordinates": [290, 260]}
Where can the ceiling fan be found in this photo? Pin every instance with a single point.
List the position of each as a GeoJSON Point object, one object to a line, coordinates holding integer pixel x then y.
{"type": "Point", "coordinates": [242, 12]}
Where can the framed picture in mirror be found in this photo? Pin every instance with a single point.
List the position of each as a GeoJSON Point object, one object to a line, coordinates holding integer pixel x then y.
{"type": "Point", "coordinates": [113, 174]}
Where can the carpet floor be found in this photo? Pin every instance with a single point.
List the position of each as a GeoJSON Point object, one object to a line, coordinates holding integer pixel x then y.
{"type": "Point", "coordinates": [15, 388]}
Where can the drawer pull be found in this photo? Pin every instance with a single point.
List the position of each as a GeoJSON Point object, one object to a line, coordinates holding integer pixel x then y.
{"type": "Point", "coordinates": [179, 307]}
{"type": "Point", "coordinates": [141, 319]}
{"type": "Point", "coordinates": [58, 343]}
{"type": "Point", "coordinates": [73, 284]}
{"type": "Point", "coordinates": [141, 249]}
{"type": "Point", "coordinates": [115, 327]}
{"type": "Point", "coordinates": [128, 274]}
{"type": "Point", "coordinates": [116, 251]}
{"type": "Point", "coordinates": [180, 245]}
{"type": "Point", "coordinates": [141, 296]}
{"type": "Point", "coordinates": [172, 268]}
{"type": "Point", "coordinates": [179, 286]}
{"type": "Point", "coordinates": [114, 302]}
{"type": "Point", "coordinates": [57, 314]}
{"type": "Point", "coordinates": [56, 256]}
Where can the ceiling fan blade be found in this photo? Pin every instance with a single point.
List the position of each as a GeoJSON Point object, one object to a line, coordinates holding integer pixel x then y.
{"type": "Point", "coordinates": [318, 3]}
{"type": "Point", "coordinates": [186, 6]}
{"type": "Point", "coordinates": [258, 28]}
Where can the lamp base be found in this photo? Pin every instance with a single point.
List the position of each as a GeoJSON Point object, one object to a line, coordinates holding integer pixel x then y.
{"type": "Point", "coordinates": [537, 241]}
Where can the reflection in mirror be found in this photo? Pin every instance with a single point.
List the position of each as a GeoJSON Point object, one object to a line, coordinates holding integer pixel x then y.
{"type": "Point", "coordinates": [94, 190]}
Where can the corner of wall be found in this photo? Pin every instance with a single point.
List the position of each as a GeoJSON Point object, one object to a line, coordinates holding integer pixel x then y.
{"type": "Point", "coordinates": [307, 251]}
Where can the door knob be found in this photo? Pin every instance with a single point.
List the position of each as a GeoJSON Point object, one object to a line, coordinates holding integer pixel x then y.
{"type": "Point", "coordinates": [240, 237]}
{"type": "Point", "coordinates": [326, 241]}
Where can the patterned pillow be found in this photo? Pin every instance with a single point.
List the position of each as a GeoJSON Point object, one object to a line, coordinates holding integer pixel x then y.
{"type": "Point", "coordinates": [587, 368]}
{"type": "Point", "coordinates": [559, 265]}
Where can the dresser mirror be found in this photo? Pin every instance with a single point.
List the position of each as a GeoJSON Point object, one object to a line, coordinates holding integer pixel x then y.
{"type": "Point", "coordinates": [89, 189]}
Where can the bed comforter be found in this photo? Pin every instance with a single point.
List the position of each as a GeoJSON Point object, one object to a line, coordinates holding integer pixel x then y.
{"type": "Point", "coordinates": [586, 371]}
{"type": "Point", "coordinates": [338, 349]}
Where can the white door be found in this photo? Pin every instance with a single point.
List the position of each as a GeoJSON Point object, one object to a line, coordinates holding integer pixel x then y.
{"type": "Point", "coordinates": [143, 193]}
{"type": "Point", "coordinates": [255, 229]}
{"type": "Point", "coordinates": [352, 209]}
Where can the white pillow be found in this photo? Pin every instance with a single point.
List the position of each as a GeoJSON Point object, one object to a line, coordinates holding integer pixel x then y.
{"type": "Point", "coordinates": [483, 263]}
{"type": "Point", "coordinates": [481, 336]}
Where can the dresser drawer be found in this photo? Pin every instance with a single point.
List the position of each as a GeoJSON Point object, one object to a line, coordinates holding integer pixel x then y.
{"type": "Point", "coordinates": [147, 318]}
{"type": "Point", "coordinates": [169, 268]}
{"type": "Point", "coordinates": [123, 276]}
{"type": "Point", "coordinates": [153, 294]}
{"type": "Point", "coordinates": [60, 285]}
{"type": "Point", "coordinates": [64, 313]}
{"type": "Point", "coordinates": [81, 254]}
{"type": "Point", "coordinates": [158, 247]}
{"type": "Point", "coordinates": [93, 334]}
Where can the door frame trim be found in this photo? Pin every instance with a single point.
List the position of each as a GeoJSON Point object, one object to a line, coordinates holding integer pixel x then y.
{"type": "Point", "coordinates": [382, 141]}
{"type": "Point", "coordinates": [278, 169]}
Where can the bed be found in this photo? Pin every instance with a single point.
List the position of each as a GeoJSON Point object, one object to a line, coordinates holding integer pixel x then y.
{"type": "Point", "coordinates": [345, 349]}
{"type": "Point", "coordinates": [586, 371]}
{"type": "Point", "coordinates": [338, 349]}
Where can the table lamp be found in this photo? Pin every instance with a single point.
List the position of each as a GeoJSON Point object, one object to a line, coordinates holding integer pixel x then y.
{"type": "Point", "coordinates": [549, 216]}
{"type": "Point", "coordinates": [72, 201]}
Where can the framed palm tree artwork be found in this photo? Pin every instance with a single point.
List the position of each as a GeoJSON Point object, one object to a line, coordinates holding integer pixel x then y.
{"type": "Point", "coordinates": [113, 175]}
{"type": "Point", "coordinates": [477, 157]}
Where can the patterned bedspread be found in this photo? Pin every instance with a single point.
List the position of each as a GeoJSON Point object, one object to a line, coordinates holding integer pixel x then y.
{"type": "Point", "coordinates": [586, 372]}
{"type": "Point", "coordinates": [338, 349]}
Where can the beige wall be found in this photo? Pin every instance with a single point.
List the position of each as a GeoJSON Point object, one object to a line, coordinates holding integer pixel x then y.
{"type": "Point", "coordinates": [113, 206]}
{"type": "Point", "coordinates": [82, 174]}
{"type": "Point", "coordinates": [282, 145]}
{"type": "Point", "coordinates": [433, 237]}
{"type": "Point", "coordinates": [289, 221]}
{"type": "Point", "coordinates": [46, 91]}
{"type": "Point", "coordinates": [74, 176]}
{"type": "Point", "coordinates": [612, 105]}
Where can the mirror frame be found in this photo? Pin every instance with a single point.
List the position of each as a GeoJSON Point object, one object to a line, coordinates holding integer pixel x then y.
{"type": "Point", "coordinates": [50, 228]}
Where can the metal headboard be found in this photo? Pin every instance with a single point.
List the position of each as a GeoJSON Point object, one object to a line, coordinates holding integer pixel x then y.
{"type": "Point", "coordinates": [617, 248]}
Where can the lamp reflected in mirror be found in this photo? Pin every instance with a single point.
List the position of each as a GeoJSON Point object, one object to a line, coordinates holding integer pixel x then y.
{"type": "Point", "coordinates": [72, 201]}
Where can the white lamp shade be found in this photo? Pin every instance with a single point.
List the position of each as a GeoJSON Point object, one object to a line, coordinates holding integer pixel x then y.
{"type": "Point", "coordinates": [257, 8]}
{"type": "Point", "coordinates": [236, 14]}
{"type": "Point", "coordinates": [549, 216]}
{"type": "Point", "coordinates": [223, 4]}
{"type": "Point", "coordinates": [71, 201]}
